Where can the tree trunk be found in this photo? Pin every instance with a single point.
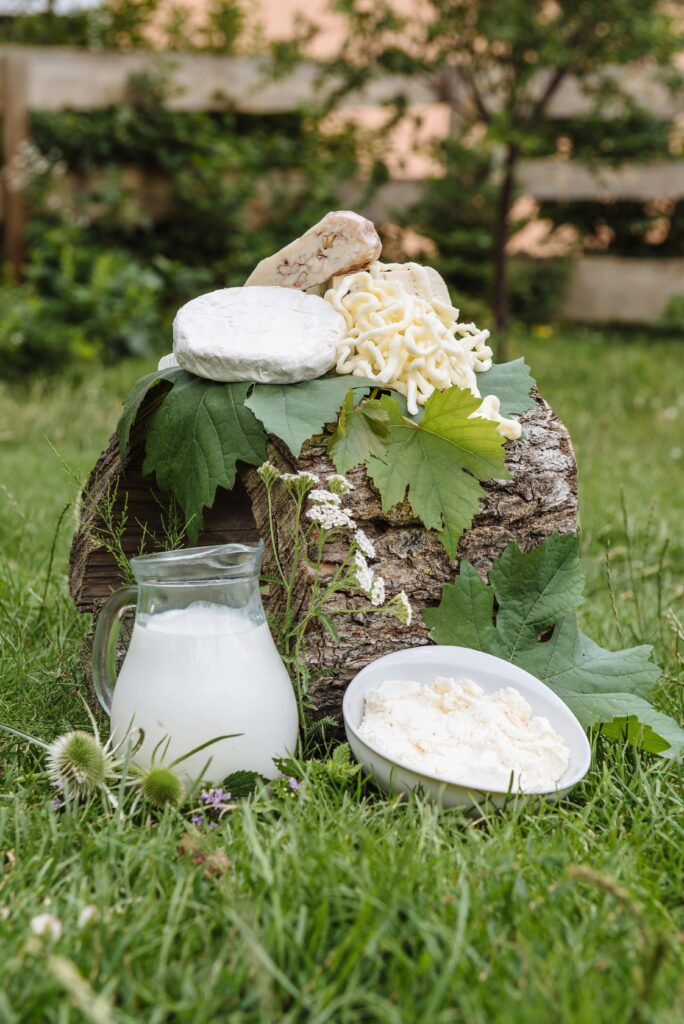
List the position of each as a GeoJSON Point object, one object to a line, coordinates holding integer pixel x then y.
{"type": "Point", "coordinates": [500, 300]}
{"type": "Point", "coordinates": [541, 497]}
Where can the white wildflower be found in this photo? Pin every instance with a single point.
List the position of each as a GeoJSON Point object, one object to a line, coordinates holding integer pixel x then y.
{"type": "Point", "coordinates": [299, 483]}
{"type": "Point", "coordinates": [339, 484]}
{"type": "Point", "coordinates": [304, 476]}
{"type": "Point", "coordinates": [363, 573]}
{"type": "Point", "coordinates": [324, 497]}
{"type": "Point", "coordinates": [87, 914]}
{"type": "Point", "coordinates": [329, 516]}
{"type": "Point", "coordinates": [401, 606]}
{"type": "Point", "coordinates": [47, 926]}
{"type": "Point", "coordinates": [364, 544]}
{"type": "Point", "coordinates": [377, 597]}
{"type": "Point", "coordinates": [268, 473]}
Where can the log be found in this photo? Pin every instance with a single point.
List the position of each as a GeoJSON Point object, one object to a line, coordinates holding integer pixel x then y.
{"type": "Point", "coordinates": [541, 497]}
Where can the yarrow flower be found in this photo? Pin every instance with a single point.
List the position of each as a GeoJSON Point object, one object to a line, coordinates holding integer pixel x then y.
{"type": "Point", "coordinates": [268, 473]}
{"type": "Point", "coordinates": [339, 484]}
{"type": "Point", "coordinates": [364, 544]}
{"type": "Point", "coordinates": [401, 608]}
{"type": "Point", "coordinates": [299, 484]}
{"type": "Point", "coordinates": [329, 516]}
{"type": "Point", "coordinates": [322, 497]}
{"type": "Point", "coordinates": [47, 926]}
{"type": "Point", "coordinates": [363, 573]}
{"type": "Point", "coordinates": [377, 596]}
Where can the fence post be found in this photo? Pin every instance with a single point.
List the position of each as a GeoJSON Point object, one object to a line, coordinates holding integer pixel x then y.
{"type": "Point", "coordinates": [15, 130]}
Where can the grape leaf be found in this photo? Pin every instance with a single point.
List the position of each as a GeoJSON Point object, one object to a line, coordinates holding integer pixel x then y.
{"type": "Point", "coordinates": [547, 583]}
{"type": "Point", "coordinates": [430, 459]}
{"type": "Point", "coordinates": [361, 430]}
{"type": "Point", "coordinates": [296, 412]}
{"type": "Point", "coordinates": [530, 593]}
{"type": "Point", "coordinates": [135, 397]}
{"type": "Point", "coordinates": [195, 439]}
{"type": "Point", "coordinates": [511, 383]}
{"type": "Point", "coordinates": [571, 660]}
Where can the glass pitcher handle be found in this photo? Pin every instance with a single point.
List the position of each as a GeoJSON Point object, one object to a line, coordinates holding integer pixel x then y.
{"type": "Point", "coordinates": [104, 643]}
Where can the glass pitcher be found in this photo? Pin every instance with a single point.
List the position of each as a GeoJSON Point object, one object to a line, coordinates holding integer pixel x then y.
{"type": "Point", "coordinates": [201, 663]}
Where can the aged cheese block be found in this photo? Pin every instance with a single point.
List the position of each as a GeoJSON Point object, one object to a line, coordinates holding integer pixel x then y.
{"type": "Point", "coordinates": [268, 335]}
{"type": "Point", "coordinates": [340, 243]}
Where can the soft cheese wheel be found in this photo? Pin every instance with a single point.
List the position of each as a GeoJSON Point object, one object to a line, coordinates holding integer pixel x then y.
{"type": "Point", "coordinates": [265, 334]}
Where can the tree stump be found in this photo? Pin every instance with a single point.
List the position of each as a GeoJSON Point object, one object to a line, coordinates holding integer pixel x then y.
{"type": "Point", "coordinates": [541, 497]}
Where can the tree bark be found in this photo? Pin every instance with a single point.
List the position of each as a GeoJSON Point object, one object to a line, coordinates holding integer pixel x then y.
{"type": "Point", "coordinates": [540, 497]}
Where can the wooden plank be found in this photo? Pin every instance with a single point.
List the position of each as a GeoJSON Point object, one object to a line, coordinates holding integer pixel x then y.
{"type": "Point", "coordinates": [621, 289]}
{"type": "Point", "coordinates": [15, 129]}
{"type": "Point", "coordinates": [68, 77]}
{"type": "Point", "coordinates": [549, 180]}
{"type": "Point", "coordinates": [569, 180]}
{"type": "Point", "coordinates": [64, 77]}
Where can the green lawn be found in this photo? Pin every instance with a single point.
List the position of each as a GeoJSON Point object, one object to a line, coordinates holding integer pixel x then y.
{"type": "Point", "coordinates": [339, 906]}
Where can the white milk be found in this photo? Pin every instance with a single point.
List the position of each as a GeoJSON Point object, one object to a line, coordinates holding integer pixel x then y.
{"type": "Point", "coordinates": [203, 671]}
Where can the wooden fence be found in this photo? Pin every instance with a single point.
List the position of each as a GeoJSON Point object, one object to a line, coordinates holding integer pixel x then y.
{"type": "Point", "coordinates": [39, 78]}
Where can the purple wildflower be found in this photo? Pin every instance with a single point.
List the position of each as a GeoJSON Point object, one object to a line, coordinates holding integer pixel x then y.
{"type": "Point", "coordinates": [197, 819]}
{"type": "Point", "coordinates": [294, 783]}
{"type": "Point", "coordinates": [215, 797]}
{"type": "Point", "coordinates": [56, 803]}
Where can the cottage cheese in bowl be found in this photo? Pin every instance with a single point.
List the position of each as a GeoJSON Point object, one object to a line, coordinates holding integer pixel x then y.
{"type": "Point", "coordinates": [455, 730]}
{"type": "Point", "coordinates": [462, 727]}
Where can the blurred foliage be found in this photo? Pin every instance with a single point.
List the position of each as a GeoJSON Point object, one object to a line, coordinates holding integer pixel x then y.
{"type": "Point", "coordinates": [673, 317]}
{"type": "Point", "coordinates": [215, 26]}
{"type": "Point", "coordinates": [500, 66]}
{"type": "Point", "coordinates": [456, 213]}
{"type": "Point", "coordinates": [109, 261]}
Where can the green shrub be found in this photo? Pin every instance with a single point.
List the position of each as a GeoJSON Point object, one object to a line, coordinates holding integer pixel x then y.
{"type": "Point", "coordinates": [79, 303]}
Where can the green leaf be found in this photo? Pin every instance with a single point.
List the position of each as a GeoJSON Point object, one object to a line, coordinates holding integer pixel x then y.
{"type": "Point", "coordinates": [296, 412]}
{"type": "Point", "coordinates": [135, 397]}
{"type": "Point", "coordinates": [511, 383]}
{"type": "Point", "coordinates": [361, 431]}
{"type": "Point", "coordinates": [535, 589]}
{"type": "Point", "coordinates": [470, 602]}
{"type": "Point", "coordinates": [530, 593]}
{"type": "Point", "coordinates": [241, 783]}
{"type": "Point", "coordinates": [438, 462]}
{"type": "Point", "coordinates": [642, 725]}
{"type": "Point", "coordinates": [570, 659]}
{"type": "Point", "coordinates": [195, 440]}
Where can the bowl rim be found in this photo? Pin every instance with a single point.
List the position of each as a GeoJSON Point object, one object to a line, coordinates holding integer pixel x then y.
{"type": "Point", "coordinates": [413, 652]}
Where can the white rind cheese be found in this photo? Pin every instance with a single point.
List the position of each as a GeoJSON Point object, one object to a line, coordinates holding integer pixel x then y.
{"type": "Point", "coordinates": [167, 362]}
{"type": "Point", "coordinates": [265, 334]}
{"type": "Point", "coordinates": [340, 243]}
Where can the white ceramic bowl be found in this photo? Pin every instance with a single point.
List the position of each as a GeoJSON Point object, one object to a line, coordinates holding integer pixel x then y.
{"type": "Point", "coordinates": [424, 664]}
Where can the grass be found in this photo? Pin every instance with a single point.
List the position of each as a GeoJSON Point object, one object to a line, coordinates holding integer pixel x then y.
{"type": "Point", "coordinates": [339, 906]}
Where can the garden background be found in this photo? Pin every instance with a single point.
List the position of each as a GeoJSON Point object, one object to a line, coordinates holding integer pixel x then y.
{"type": "Point", "coordinates": [336, 908]}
